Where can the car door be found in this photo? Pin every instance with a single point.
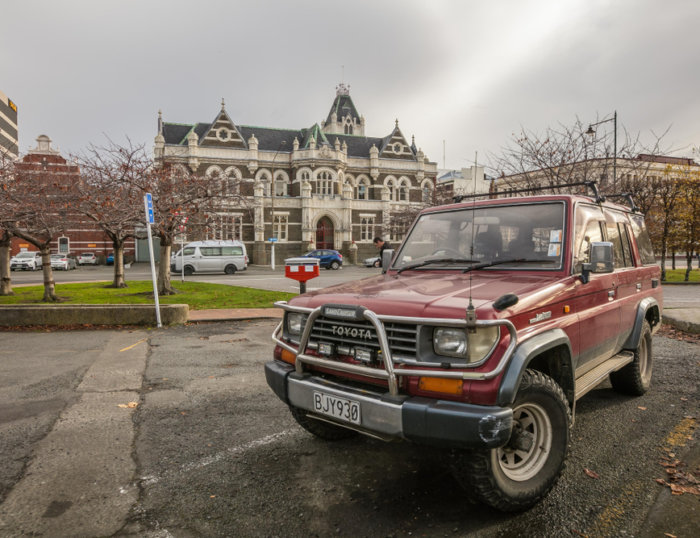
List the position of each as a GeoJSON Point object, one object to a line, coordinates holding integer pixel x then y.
{"type": "Point", "coordinates": [595, 302]}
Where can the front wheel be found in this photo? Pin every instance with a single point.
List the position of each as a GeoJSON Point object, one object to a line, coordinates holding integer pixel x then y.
{"type": "Point", "coordinates": [189, 271]}
{"type": "Point", "coordinates": [635, 378]}
{"type": "Point", "coordinates": [517, 475]}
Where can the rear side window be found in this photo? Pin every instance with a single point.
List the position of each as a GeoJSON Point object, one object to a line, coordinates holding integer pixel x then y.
{"type": "Point", "coordinates": [232, 251]}
{"type": "Point", "coordinates": [210, 251]}
{"type": "Point", "coordinates": [641, 236]}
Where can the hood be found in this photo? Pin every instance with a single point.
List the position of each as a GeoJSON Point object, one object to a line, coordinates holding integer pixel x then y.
{"type": "Point", "coordinates": [441, 294]}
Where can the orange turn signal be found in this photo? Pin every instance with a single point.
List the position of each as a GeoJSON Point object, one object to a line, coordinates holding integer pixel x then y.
{"type": "Point", "coordinates": [440, 384]}
{"type": "Point", "coordinates": [288, 356]}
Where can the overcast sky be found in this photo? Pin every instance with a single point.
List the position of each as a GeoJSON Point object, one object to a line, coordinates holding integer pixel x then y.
{"type": "Point", "coordinates": [471, 73]}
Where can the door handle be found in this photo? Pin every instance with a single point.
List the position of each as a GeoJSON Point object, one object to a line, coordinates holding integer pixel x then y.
{"type": "Point", "coordinates": [611, 295]}
{"type": "Point", "coordinates": [639, 286]}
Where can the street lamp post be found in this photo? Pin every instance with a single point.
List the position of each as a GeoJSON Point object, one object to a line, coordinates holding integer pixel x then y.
{"type": "Point", "coordinates": [591, 132]}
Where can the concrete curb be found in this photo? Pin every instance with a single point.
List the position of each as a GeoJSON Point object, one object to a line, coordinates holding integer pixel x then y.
{"type": "Point", "coordinates": [684, 319]}
{"type": "Point", "coordinates": [91, 314]}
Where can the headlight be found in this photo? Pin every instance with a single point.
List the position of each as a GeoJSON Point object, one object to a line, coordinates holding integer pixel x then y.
{"type": "Point", "coordinates": [456, 343]}
{"type": "Point", "coordinates": [294, 323]}
{"type": "Point", "coordinates": [450, 342]}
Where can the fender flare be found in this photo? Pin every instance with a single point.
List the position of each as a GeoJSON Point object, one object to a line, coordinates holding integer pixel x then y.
{"type": "Point", "coordinates": [524, 353]}
{"type": "Point", "coordinates": [646, 304]}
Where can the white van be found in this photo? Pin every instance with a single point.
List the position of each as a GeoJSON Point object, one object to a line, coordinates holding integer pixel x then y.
{"type": "Point", "coordinates": [210, 257]}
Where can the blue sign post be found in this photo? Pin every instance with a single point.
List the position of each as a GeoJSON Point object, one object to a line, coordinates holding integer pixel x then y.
{"type": "Point", "coordinates": [148, 205]}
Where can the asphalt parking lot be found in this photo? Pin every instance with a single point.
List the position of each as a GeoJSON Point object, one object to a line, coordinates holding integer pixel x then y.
{"type": "Point", "coordinates": [174, 433]}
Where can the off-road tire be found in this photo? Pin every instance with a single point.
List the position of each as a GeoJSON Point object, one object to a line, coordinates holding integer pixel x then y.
{"type": "Point", "coordinates": [634, 379]}
{"type": "Point", "coordinates": [230, 269]}
{"type": "Point", "coordinates": [189, 271]}
{"type": "Point", "coordinates": [322, 430]}
{"type": "Point", "coordinates": [512, 480]}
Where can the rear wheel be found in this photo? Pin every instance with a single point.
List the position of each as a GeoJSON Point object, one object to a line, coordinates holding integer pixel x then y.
{"type": "Point", "coordinates": [517, 475]}
{"type": "Point", "coordinates": [334, 265]}
{"type": "Point", "coordinates": [322, 430]}
{"type": "Point", "coordinates": [377, 263]}
{"type": "Point", "coordinates": [230, 269]}
{"type": "Point", "coordinates": [189, 270]}
{"type": "Point", "coordinates": [635, 378]}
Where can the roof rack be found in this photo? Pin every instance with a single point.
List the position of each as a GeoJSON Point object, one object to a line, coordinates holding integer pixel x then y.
{"type": "Point", "coordinates": [590, 184]}
{"type": "Point", "coordinates": [628, 197]}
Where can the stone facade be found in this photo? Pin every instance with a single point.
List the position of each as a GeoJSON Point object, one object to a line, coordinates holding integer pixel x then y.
{"type": "Point", "coordinates": [333, 185]}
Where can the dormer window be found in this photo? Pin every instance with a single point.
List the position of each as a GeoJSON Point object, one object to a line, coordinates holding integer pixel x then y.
{"type": "Point", "coordinates": [348, 125]}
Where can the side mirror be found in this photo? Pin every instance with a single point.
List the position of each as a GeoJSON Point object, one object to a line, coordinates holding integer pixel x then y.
{"type": "Point", "coordinates": [601, 260]}
{"type": "Point", "coordinates": [387, 255]}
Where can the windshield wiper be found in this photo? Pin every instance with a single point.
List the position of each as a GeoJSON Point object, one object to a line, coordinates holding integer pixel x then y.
{"type": "Point", "coordinates": [435, 260]}
{"type": "Point", "coordinates": [483, 265]}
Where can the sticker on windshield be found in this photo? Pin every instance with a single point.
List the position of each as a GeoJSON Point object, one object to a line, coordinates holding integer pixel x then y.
{"type": "Point", "coordinates": [554, 249]}
{"type": "Point", "coordinates": [555, 236]}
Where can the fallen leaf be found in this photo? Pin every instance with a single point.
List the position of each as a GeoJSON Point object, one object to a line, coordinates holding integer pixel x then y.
{"type": "Point", "coordinates": [684, 399]}
{"type": "Point", "coordinates": [592, 474]}
{"type": "Point", "coordinates": [212, 496]}
{"type": "Point", "coordinates": [130, 405]}
{"type": "Point", "coordinates": [641, 407]}
{"type": "Point", "coordinates": [661, 481]}
{"type": "Point", "coordinates": [670, 535]}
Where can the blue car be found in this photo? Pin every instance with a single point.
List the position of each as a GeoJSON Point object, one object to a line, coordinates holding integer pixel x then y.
{"type": "Point", "coordinates": [110, 259]}
{"type": "Point", "coordinates": [328, 259]}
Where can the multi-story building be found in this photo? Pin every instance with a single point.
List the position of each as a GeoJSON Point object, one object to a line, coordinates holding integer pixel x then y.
{"type": "Point", "coordinates": [9, 144]}
{"type": "Point", "coordinates": [46, 164]}
{"type": "Point", "coordinates": [333, 185]}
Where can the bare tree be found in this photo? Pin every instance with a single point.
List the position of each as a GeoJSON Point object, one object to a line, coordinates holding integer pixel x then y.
{"type": "Point", "coordinates": [108, 195]}
{"type": "Point", "coordinates": [35, 204]}
{"type": "Point", "coordinates": [5, 235]}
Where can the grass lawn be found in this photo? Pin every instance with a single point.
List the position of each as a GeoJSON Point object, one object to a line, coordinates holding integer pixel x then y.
{"type": "Point", "coordinates": [198, 295]}
{"type": "Point", "coordinates": [678, 275]}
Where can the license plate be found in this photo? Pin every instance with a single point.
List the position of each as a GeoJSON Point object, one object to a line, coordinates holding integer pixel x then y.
{"type": "Point", "coordinates": [340, 408]}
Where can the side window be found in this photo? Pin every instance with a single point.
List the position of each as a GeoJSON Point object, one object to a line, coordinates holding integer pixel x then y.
{"type": "Point", "coordinates": [587, 229]}
{"type": "Point", "coordinates": [210, 251]}
{"type": "Point", "coordinates": [614, 238]}
{"type": "Point", "coordinates": [629, 260]}
{"type": "Point", "coordinates": [188, 251]}
{"type": "Point", "coordinates": [232, 251]}
{"type": "Point", "coordinates": [591, 234]}
{"type": "Point", "coordinates": [646, 252]}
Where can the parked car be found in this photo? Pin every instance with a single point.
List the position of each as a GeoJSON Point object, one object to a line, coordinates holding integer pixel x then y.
{"type": "Point", "coordinates": [210, 257]}
{"type": "Point", "coordinates": [110, 259]}
{"type": "Point", "coordinates": [375, 261]}
{"type": "Point", "coordinates": [26, 261]}
{"type": "Point", "coordinates": [87, 258]}
{"type": "Point", "coordinates": [62, 262]}
{"type": "Point", "coordinates": [493, 319]}
{"type": "Point", "coordinates": [328, 259]}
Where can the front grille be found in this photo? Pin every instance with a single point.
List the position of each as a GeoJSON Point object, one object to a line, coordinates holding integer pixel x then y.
{"type": "Point", "coordinates": [348, 335]}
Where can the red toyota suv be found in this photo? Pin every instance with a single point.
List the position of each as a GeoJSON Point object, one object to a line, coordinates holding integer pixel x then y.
{"type": "Point", "coordinates": [491, 320]}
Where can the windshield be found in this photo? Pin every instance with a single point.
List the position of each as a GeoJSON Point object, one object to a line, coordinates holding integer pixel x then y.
{"type": "Point", "coordinates": [515, 236]}
{"type": "Point", "coordinates": [26, 255]}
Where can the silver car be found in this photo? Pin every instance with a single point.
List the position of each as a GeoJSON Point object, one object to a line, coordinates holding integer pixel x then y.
{"type": "Point", "coordinates": [62, 262]}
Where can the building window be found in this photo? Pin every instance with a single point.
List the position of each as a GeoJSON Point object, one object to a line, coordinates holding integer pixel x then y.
{"type": "Point", "coordinates": [392, 189]}
{"type": "Point", "coordinates": [427, 194]}
{"type": "Point", "coordinates": [226, 228]}
{"type": "Point", "coordinates": [280, 185]}
{"type": "Point", "coordinates": [366, 228]}
{"type": "Point", "coordinates": [281, 227]}
{"type": "Point", "coordinates": [324, 183]}
{"type": "Point", "coordinates": [403, 191]}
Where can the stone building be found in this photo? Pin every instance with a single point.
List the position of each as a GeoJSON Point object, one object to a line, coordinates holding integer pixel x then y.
{"type": "Point", "coordinates": [333, 185]}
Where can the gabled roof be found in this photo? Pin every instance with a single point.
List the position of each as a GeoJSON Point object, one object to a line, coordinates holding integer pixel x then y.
{"type": "Point", "coordinates": [222, 132]}
{"type": "Point", "coordinates": [395, 146]}
{"type": "Point", "coordinates": [342, 106]}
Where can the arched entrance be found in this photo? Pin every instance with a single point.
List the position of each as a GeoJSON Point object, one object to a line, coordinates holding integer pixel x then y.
{"type": "Point", "coordinates": [324, 233]}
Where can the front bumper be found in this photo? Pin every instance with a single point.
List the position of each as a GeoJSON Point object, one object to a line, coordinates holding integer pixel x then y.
{"type": "Point", "coordinates": [423, 420]}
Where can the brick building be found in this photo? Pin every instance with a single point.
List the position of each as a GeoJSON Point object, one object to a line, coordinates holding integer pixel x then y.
{"type": "Point", "coordinates": [47, 164]}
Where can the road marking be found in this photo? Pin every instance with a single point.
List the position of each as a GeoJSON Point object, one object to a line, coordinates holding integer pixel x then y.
{"type": "Point", "coordinates": [133, 345]}
{"type": "Point", "coordinates": [215, 458]}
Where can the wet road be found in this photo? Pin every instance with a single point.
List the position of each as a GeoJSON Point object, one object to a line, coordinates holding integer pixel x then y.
{"type": "Point", "coordinates": [210, 451]}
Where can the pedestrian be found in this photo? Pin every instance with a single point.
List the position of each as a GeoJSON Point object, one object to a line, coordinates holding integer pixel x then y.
{"type": "Point", "coordinates": [382, 246]}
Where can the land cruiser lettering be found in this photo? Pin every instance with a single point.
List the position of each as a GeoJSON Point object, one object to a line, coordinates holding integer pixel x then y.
{"type": "Point", "coordinates": [492, 319]}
